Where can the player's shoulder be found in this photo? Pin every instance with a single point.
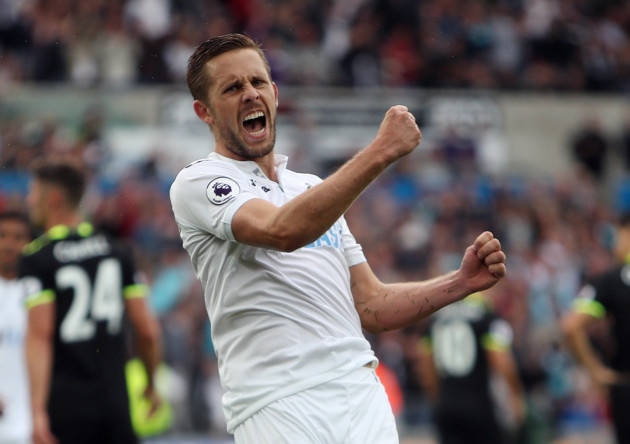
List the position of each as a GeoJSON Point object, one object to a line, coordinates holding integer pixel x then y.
{"type": "Point", "coordinates": [211, 164]}
{"type": "Point", "coordinates": [202, 172]}
{"type": "Point", "coordinates": [196, 166]}
{"type": "Point", "coordinates": [611, 278]}
{"type": "Point", "coordinates": [36, 246]}
{"type": "Point", "coordinates": [47, 239]}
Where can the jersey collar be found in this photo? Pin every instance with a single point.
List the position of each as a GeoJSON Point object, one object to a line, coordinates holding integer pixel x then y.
{"type": "Point", "coordinates": [58, 232]}
{"type": "Point", "coordinates": [280, 162]}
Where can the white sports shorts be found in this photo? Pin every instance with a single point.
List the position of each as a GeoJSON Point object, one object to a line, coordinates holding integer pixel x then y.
{"type": "Point", "coordinates": [353, 409]}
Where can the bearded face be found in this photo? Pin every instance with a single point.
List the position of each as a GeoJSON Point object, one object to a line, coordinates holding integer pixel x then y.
{"type": "Point", "coordinates": [242, 105]}
{"type": "Point", "coordinates": [252, 137]}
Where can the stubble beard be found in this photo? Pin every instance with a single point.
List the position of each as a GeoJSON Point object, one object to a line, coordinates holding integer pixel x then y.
{"type": "Point", "coordinates": [236, 145]}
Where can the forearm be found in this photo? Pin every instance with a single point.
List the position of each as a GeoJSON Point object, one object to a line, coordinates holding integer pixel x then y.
{"type": "Point", "coordinates": [580, 347]}
{"type": "Point", "coordinates": [515, 387]}
{"type": "Point", "coordinates": [504, 364]}
{"type": "Point", "coordinates": [428, 374]}
{"type": "Point", "coordinates": [574, 327]}
{"type": "Point", "coordinates": [394, 306]}
{"type": "Point", "coordinates": [309, 215]}
{"type": "Point", "coordinates": [39, 360]}
{"type": "Point", "coordinates": [150, 353]}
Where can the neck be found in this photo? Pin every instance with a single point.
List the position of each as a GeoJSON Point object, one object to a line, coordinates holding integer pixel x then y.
{"type": "Point", "coordinates": [8, 272]}
{"type": "Point", "coordinates": [268, 166]}
{"type": "Point", "coordinates": [266, 163]}
{"type": "Point", "coordinates": [70, 219]}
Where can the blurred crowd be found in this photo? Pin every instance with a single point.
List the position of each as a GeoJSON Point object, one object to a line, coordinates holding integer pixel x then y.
{"type": "Point", "coordinates": [571, 45]}
{"type": "Point", "coordinates": [413, 223]}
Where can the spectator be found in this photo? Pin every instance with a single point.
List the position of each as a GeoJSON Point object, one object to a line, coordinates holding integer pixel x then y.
{"type": "Point", "coordinates": [15, 410]}
{"type": "Point", "coordinates": [589, 148]}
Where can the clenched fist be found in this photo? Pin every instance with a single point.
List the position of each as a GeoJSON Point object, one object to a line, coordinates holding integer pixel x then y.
{"type": "Point", "coordinates": [398, 134]}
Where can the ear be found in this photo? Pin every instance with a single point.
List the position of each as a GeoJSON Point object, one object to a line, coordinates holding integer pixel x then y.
{"type": "Point", "coordinates": [275, 92]}
{"type": "Point", "coordinates": [203, 112]}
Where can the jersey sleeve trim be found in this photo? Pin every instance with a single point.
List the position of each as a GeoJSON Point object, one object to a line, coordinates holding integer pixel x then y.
{"type": "Point", "coordinates": [492, 343]}
{"type": "Point", "coordinates": [135, 291]}
{"type": "Point", "coordinates": [40, 298]}
{"type": "Point", "coordinates": [589, 307]}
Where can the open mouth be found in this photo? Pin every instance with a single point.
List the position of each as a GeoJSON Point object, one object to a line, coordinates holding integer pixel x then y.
{"type": "Point", "coordinates": [255, 123]}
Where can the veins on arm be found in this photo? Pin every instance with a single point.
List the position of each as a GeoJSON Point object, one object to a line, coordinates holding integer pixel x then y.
{"type": "Point", "coordinates": [394, 306]}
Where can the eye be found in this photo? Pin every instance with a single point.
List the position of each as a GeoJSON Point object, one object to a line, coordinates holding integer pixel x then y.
{"type": "Point", "coordinates": [232, 88]}
{"type": "Point", "coordinates": [258, 82]}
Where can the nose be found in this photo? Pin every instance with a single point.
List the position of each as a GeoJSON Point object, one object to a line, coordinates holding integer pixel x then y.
{"type": "Point", "coordinates": [250, 93]}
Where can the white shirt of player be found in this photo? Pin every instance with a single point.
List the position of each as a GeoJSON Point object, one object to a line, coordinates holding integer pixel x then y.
{"type": "Point", "coordinates": [15, 423]}
{"type": "Point", "coordinates": [280, 322]}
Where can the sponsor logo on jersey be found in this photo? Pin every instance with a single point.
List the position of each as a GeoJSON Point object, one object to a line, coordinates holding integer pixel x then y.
{"type": "Point", "coordinates": [331, 238]}
{"type": "Point", "coordinates": [222, 190]}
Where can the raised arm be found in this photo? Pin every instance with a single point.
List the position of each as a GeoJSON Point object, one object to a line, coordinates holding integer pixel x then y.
{"type": "Point", "coordinates": [383, 307]}
{"type": "Point", "coordinates": [308, 216]}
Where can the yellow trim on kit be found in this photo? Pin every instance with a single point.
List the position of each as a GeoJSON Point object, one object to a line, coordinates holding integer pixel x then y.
{"type": "Point", "coordinates": [58, 232]}
{"type": "Point", "coordinates": [589, 307]}
{"type": "Point", "coordinates": [135, 291]}
{"type": "Point", "coordinates": [85, 229]}
{"type": "Point", "coordinates": [425, 345]}
{"type": "Point", "coordinates": [43, 297]}
{"type": "Point", "coordinates": [36, 245]}
{"type": "Point", "coordinates": [489, 342]}
{"type": "Point", "coordinates": [478, 299]}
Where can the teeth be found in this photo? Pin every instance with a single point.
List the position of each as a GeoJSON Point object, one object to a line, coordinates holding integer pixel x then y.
{"type": "Point", "coordinates": [253, 115]}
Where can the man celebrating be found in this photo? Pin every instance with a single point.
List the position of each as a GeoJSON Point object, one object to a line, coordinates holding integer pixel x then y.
{"type": "Point", "coordinates": [287, 288]}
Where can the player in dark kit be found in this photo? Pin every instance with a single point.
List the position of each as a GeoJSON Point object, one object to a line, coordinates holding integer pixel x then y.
{"type": "Point", "coordinates": [81, 290]}
{"type": "Point", "coordinates": [607, 297]}
{"type": "Point", "coordinates": [466, 346]}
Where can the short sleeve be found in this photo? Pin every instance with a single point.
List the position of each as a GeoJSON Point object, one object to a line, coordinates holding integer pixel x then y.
{"type": "Point", "coordinates": [352, 250]}
{"type": "Point", "coordinates": [588, 302]}
{"type": "Point", "coordinates": [206, 195]}
{"type": "Point", "coordinates": [499, 335]}
{"type": "Point", "coordinates": [37, 283]}
{"type": "Point", "coordinates": [134, 286]}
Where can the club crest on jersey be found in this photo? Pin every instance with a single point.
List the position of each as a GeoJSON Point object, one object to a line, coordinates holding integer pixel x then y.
{"type": "Point", "coordinates": [222, 190]}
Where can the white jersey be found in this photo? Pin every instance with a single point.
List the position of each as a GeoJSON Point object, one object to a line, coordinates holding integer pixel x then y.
{"type": "Point", "coordinates": [280, 322]}
{"type": "Point", "coordinates": [15, 423]}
